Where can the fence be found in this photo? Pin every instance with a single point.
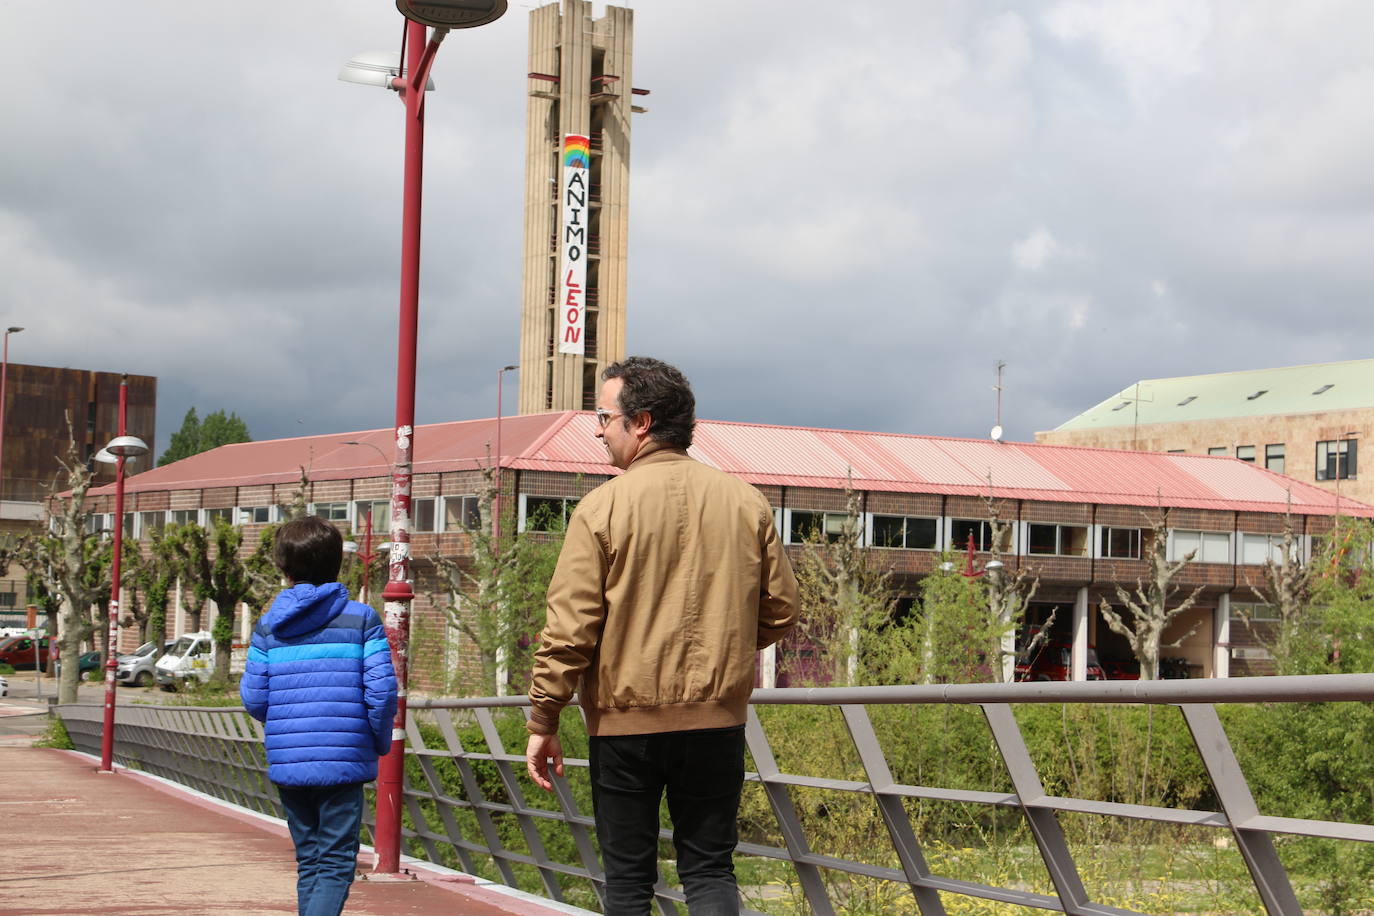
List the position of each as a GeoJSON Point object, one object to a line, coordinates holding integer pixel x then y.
{"type": "Point", "coordinates": [218, 751]}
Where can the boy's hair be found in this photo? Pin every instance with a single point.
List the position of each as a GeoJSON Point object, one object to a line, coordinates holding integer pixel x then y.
{"type": "Point", "coordinates": [309, 550]}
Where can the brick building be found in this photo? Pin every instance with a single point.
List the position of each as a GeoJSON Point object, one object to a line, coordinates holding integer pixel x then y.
{"type": "Point", "coordinates": [40, 403]}
{"type": "Point", "coordinates": [1080, 517]}
{"type": "Point", "coordinates": [1303, 421]}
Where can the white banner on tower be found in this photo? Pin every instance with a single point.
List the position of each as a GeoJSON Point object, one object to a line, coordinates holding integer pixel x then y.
{"type": "Point", "coordinates": [571, 302]}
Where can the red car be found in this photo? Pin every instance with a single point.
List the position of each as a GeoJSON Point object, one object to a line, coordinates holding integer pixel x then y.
{"type": "Point", "coordinates": [1053, 661]}
{"type": "Point", "coordinates": [17, 652]}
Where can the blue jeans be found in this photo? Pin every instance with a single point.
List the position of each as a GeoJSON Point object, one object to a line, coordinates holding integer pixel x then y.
{"type": "Point", "coordinates": [703, 774]}
{"type": "Point", "coordinates": [324, 823]}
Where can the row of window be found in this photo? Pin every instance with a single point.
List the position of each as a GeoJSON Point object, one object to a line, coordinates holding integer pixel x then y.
{"type": "Point", "coordinates": [428, 514]}
{"type": "Point", "coordinates": [1045, 539]}
{"type": "Point", "coordinates": [1335, 457]}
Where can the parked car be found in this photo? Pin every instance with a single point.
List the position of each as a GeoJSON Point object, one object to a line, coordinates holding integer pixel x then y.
{"type": "Point", "coordinates": [17, 652]}
{"type": "Point", "coordinates": [138, 667]}
{"type": "Point", "coordinates": [86, 661]}
{"type": "Point", "coordinates": [1053, 661]}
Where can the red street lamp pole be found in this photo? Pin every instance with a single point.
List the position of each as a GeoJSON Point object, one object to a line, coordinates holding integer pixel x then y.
{"type": "Point", "coordinates": [122, 447]}
{"type": "Point", "coordinates": [398, 594]}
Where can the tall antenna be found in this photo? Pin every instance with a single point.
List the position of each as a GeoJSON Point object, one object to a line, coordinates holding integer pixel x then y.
{"type": "Point", "coordinates": [997, 427]}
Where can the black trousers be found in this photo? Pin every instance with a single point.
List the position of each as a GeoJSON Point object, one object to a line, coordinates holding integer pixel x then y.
{"type": "Point", "coordinates": [702, 773]}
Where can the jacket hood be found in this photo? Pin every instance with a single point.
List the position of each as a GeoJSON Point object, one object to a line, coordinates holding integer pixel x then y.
{"type": "Point", "coordinates": [304, 608]}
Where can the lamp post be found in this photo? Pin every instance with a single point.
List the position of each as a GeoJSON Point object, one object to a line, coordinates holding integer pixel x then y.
{"type": "Point", "coordinates": [123, 447]}
{"type": "Point", "coordinates": [4, 372]}
{"type": "Point", "coordinates": [496, 499]}
{"type": "Point", "coordinates": [411, 84]}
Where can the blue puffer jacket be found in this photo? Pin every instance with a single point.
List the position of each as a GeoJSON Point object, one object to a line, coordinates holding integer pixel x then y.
{"type": "Point", "coordinates": [319, 675]}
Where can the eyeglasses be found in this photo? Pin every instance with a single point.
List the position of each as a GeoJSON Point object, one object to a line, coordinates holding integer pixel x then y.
{"type": "Point", "coordinates": [604, 416]}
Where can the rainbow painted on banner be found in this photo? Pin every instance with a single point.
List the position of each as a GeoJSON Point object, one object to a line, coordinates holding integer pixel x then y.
{"type": "Point", "coordinates": [577, 152]}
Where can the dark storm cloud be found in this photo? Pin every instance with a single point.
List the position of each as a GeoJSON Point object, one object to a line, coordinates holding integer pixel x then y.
{"type": "Point", "coordinates": [838, 217]}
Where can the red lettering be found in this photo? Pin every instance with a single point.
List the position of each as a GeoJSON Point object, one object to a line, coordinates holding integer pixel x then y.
{"type": "Point", "coordinates": [572, 316]}
{"type": "Point", "coordinates": [571, 301]}
{"type": "Point", "coordinates": [572, 335]}
{"type": "Point", "coordinates": [569, 281]}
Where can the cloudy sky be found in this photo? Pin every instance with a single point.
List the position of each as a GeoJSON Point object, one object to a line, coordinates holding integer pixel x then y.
{"type": "Point", "coordinates": [841, 214]}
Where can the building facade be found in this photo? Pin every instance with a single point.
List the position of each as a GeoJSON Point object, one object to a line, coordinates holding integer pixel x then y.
{"type": "Point", "coordinates": [577, 189]}
{"type": "Point", "coordinates": [46, 408]}
{"type": "Point", "coordinates": [1306, 422]}
{"type": "Point", "coordinates": [1079, 519]}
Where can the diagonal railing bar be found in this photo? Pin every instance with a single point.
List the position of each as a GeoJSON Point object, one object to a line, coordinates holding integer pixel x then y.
{"type": "Point", "coordinates": [219, 751]}
{"type": "Point", "coordinates": [522, 809]}
{"type": "Point", "coordinates": [780, 800]}
{"type": "Point", "coordinates": [1044, 826]}
{"type": "Point", "coordinates": [1256, 846]}
{"type": "Point", "coordinates": [890, 806]}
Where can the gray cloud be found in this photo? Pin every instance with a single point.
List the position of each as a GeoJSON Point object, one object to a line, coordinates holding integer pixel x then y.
{"type": "Point", "coordinates": [838, 218]}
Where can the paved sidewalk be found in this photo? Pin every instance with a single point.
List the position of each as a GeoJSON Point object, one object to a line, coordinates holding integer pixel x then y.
{"type": "Point", "coordinates": [76, 841]}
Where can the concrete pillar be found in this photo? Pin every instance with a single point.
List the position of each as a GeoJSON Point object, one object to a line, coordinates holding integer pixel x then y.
{"type": "Point", "coordinates": [1079, 655]}
{"type": "Point", "coordinates": [1221, 637]}
{"type": "Point", "coordinates": [768, 666]}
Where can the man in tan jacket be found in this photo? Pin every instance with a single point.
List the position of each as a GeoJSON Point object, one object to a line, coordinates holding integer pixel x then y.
{"type": "Point", "coordinates": [671, 578]}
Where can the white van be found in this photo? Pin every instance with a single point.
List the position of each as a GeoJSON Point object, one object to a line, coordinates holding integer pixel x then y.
{"type": "Point", "coordinates": [191, 656]}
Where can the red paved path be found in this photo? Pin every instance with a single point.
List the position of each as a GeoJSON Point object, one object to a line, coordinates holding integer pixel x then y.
{"type": "Point", "coordinates": [75, 841]}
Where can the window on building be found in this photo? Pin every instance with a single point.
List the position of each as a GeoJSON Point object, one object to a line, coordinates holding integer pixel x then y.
{"type": "Point", "coordinates": [97, 522]}
{"type": "Point", "coordinates": [1218, 450]}
{"type": "Point", "coordinates": [905, 532]}
{"type": "Point", "coordinates": [185, 516]}
{"type": "Point", "coordinates": [806, 524]}
{"type": "Point", "coordinates": [1057, 540]}
{"type": "Point", "coordinates": [255, 515]}
{"type": "Point", "coordinates": [1121, 543]}
{"type": "Point", "coordinates": [149, 522]}
{"type": "Point", "coordinates": [381, 515]}
{"type": "Point", "coordinates": [1206, 546]}
{"type": "Point", "coordinates": [332, 512]}
{"type": "Point", "coordinates": [1273, 457]}
{"type": "Point", "coordinates": [1255, 549]}
{"type": "Point", "coordinates": [463, 513]}
{"type": "Point", "coordinates": [961, 528]}
{"type": "Point", "coordinates": [1336, 459]}
{"type": "Point", "coordinates": [1178, 451]}
{"type": "Point", "coordinates": [546, 513]}
{"type": "Point", "coordinates": [214, 515]}
{"type": "Point", "coordinates": [9, 599]}
{"type": "Point", "coordinates": [1242, 612]}
{"type": "Point", "coordinates": [421, 514]}
{"type": "Point", "coordinates": [1246, 453]}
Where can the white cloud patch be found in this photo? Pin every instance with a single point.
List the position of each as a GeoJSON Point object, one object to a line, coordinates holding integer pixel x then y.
{"type": "Point", "coordinates": [1151, 44]}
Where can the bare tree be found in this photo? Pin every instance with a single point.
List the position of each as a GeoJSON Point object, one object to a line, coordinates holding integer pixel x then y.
{"type": "Point", "coordinates": [1287, 588]}
{"type": "Point", "coordinates": [1009, 593]}
{"type": "Point", "coordinates": [209, 562]}
{"type": "Point", "coordinates": [66, 559]}
{"type": "Point", "coordinates": [1148, 608]}
{"type": "Point", "coordinates": [845, 597]}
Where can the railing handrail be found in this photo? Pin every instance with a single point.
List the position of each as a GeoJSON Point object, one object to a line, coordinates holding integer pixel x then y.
{"type": "Point", "coordinates": [1326, 688]}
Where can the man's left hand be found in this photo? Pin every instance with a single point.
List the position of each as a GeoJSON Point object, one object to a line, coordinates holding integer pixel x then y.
{"type": "Point", "coordinates": [539, 752]}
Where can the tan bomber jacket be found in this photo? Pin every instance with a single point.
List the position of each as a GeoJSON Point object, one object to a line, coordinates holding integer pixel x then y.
{"type": "Point", "coordinates": [671, 577]}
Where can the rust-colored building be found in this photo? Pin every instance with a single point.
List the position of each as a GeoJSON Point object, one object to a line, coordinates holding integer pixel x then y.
{"type": "Point", "coordinates": [45, 409]}
{"type": "Point", "coordinates": [1080, 518]}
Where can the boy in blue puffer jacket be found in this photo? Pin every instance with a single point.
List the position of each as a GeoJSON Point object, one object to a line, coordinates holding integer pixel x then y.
{"type": "Point", "coordinates": [319, 675]}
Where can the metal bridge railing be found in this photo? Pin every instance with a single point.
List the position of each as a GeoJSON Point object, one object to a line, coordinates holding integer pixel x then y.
{"type": "Point", "coordinates": [218, 751]}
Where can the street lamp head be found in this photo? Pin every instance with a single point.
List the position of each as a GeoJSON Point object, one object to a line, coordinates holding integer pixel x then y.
{"type": "Point", "coordinates": [993, 565]}
{"type": "Point", "coordinates": [104, 457]}
{"type": "Point", "coordinates": [127, 447]}
{"type": "Point", "coordinates": [376, 68]}
{"type": "Point", "coordinates": [13, 330]}
{"type": "Point", "coordinates": [350, 546]}
{"type": "Point", "coordinates": [452, 14]}
{"type": "Point", "coordinates": [510, 368]}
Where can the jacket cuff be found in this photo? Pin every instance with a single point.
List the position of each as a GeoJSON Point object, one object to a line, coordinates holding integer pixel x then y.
{"type": "Point", "coordinates": [541, 723]}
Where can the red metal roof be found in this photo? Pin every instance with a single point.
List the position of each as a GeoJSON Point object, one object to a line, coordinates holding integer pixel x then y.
{"type": "Point", "coordinates": [781, 455]}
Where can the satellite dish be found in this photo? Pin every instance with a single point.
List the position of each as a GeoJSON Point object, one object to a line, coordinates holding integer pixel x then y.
{"type": "Point", "coordinates": [996, 434]}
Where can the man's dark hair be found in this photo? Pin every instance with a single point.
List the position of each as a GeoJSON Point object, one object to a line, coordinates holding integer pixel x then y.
{"type": "Point", "coordinates": [653, 386]}
{"type": "Point", "coordinates": [309, 550]}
